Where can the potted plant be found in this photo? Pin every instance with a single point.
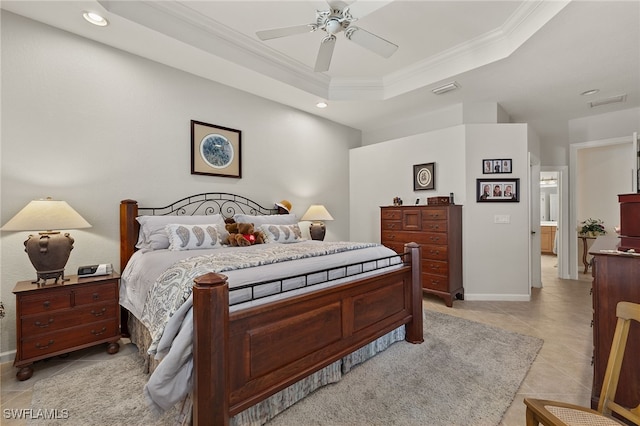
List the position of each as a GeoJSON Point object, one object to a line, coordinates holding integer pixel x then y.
{"type": "Point", "coordinates": [592, 227]}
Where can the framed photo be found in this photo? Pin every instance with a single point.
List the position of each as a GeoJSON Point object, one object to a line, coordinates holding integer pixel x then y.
{"type": "Point", "coordinates": [215, 150]}
{"type": "Point", "coordinates": [491, 166]}
{"type": "Point", "coordinates": [424, 176]}
{"type": "Point", "coordinates": [497, 190]}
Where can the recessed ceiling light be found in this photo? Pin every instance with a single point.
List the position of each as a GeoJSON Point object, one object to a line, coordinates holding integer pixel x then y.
{"type": "Point", "coordinates": [322, 104]}
{"type": "Point", "coordinates": [590, 92]}
{"type": "Point", "coordinates": [95, 19]}
{"type": "Point", "coordinates": [446, 88]}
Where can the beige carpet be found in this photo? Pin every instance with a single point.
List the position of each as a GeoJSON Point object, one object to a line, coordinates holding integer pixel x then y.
{"type": "Point", "coordinates": [465, 373]}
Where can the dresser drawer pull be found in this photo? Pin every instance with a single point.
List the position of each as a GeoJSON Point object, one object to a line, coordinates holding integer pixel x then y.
{"type": "Point", "coordinates": [95, 296]}
{"type": "Point", "coordinates": [44, 325]}
{"type": "Point", "coordinates": [434, 239]}
{"type": "Point", "coordinates": [38, 346]}
{"type": "Point", "coordinates": [434, 215]}
{"type": "Point", "coordinates": [46, 304]}
{"type": "Point", "coordinates": [434, 267]}
{"type": "Point", "coordinates": [391, 226]}
{"type": "Point", "coordinates": [97, 333]}
{"type": "Point", "coordinates": [434, 226]}
{"type": "Point", "coordinates": [435, 252]}
{"type": "Point", "coordinates": [435, 282]}
{"type": "Point", "coordinates": [99, 313]}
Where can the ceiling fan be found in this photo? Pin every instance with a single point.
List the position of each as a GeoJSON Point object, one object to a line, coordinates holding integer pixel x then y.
{"type": "Point", "coordinates": [337, 18]}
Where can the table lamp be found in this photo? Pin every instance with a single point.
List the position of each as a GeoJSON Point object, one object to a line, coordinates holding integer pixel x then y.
{"type": "Point", "coordinates": [49, 250]}
{"type": "Point", "coordinates": [316, 214]}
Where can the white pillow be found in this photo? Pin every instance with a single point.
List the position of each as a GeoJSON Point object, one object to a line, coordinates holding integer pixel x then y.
{"type": "Point", "coordinates": [276, 219]}
{"type": "Point", "coordinates": [153, 235]}
{"type": "Point", "coordinates": [281, 233]}
{"type": "Point", "coordinates": [193, 237]}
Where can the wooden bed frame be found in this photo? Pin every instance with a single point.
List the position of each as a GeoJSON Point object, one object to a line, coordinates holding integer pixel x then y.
{"type": "Point", "coordinates": [264, 349]}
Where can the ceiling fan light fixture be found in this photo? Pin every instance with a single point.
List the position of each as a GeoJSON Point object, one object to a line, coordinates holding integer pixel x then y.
{"type": "Point", "coordinates": [446, 88]}
{"type": "Point", "coordinates": [322, 104]}
{"type": "Point", "coordinates": [607, 101]}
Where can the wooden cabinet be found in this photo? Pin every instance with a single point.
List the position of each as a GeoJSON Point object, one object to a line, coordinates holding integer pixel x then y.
{"type": "Point", "coordinates": [438, 230]}
{"type": "Point", "coordinates": [54, 319]}
{"type": "Point", "coordinates": [616, 277]}
{"type": "Point", "coordinates": [547, 238]}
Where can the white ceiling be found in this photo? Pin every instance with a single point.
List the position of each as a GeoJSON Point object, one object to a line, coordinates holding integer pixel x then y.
{"type": "Point", "coordinates": [532, 57]}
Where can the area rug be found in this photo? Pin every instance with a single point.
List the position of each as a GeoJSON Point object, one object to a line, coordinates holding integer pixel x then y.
{"type": "Point", "coordinates": [465, 373]}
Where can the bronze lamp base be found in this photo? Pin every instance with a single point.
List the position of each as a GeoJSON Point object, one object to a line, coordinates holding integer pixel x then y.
{"type": "Point", "coordinates": [49, 252]}
{"type": "Point", "coordinates": [317, 231]}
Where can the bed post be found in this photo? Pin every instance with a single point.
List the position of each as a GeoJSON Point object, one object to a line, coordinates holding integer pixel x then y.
{"type": "Point", "coordinates": [414, 328]}
{"type": "Point", "coordinates": [128, 230]}
{"type": "Point", "coordinates": [210, 350]}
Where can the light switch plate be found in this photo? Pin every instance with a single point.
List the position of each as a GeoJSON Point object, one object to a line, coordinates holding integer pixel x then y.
{"type": "Point", "coordinates": [502, 218]}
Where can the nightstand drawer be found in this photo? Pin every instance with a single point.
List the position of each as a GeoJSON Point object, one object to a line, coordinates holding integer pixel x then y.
{"type": "Point", "coordinates": [96, 293]}
{"type": "Point", "coordinates": [64, 339]}
{"type": "Point", "coordinates": [34, 325]}
{"type": "Point", "coordinates": [50, 301]}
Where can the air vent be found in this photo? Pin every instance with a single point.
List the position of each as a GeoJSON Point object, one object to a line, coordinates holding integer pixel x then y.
{"type": "Point", "coordinates": [446, 88]}
{"type": "Point", "coordinates": [606, 101]}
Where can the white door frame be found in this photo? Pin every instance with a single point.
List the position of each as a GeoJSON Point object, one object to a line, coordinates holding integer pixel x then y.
{"type": "Point", "coordinates": [573, 185]}
{"type": "Point", "coordinates": [535, 268]}
{"type": "Point", "coordinates": [563, 218]}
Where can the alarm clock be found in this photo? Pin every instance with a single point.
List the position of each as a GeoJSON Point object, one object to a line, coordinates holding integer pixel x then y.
{"type": "Point", "coordinates": [95, 270]}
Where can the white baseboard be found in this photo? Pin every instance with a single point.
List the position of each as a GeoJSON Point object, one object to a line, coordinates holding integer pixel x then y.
{"type": "Point", "coordinates": [7, 356]}
{"type": "Point", "coordinates": [498, 297]}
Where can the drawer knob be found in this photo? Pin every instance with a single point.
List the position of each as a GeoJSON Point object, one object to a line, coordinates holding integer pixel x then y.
{"type": "Point", "coordinates": [433, 267]}
{"type": "Point", "coordinates": [99, 313]}
{"type": "Point", "coordinates": [435, 226]}
{"type": "Point", "coordinates": [39, 346]}
{"type": "Point", "coordinates": [44, 324]}
{"type": "Point", "coordinates": [97, 333]}
{"type": "Point", "coordinates": [95, 296]}
{"type": "Point", "coordinates": [436, 252]}
{"type": "Point", "coordinates": [46, 304]}
{"type": "Point", "coordinates": [435, 239]}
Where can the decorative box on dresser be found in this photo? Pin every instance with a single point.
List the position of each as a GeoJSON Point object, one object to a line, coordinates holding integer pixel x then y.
{"type": "Point", "coordinates": [438, 230]}
{"type": "Point", "coordinates": [616, 277]}
{"type": "Point", "coordinates": [56, 318]}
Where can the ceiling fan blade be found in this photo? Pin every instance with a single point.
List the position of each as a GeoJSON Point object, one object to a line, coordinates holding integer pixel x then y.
{"type": "Point", "coordinates": [370, 41]}
{"type": "Point", "coordinates": [286, 31]}
{"type": "Point", "coordinates": [324, 54]}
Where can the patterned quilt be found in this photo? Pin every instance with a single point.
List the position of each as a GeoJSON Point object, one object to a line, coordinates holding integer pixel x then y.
{"type": "Point", "coordinates": [174, 286]}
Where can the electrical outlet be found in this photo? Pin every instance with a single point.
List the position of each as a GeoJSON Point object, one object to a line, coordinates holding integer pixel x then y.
{"type": "Point", "coordinates": [502, 218]}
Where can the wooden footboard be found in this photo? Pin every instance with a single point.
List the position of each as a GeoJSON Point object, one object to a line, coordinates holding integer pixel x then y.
{"type": "Point", "coordinates": [243, 357]}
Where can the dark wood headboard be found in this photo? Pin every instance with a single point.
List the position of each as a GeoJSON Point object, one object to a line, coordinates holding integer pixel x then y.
{"type": "Point", "coordinates": [208, 203]}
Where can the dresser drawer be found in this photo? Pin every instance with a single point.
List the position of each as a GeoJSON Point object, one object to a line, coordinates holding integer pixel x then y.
{"type": "Point", "coordinates": [436, 238]}
{"type": "Point", "coordinates": [434, 214]}
{"type": "Point", "coordinates": [391, 214]}
{"type": "Point", "coordinates": [434, 226]}
{"type": "Point", "coordinates": [49, 301]}
{"type": "Point", "coordinates": [435, 267]}
{"type": "Point", "coordinates": [435, 282]}
{"type": "Point", "coordinates": [64, 339]}
{"type": "Point", "coordinates": [33, 325]}
{"type": "Point", "coordinates": [96, 293]}
{"type": "Point", "coordinates": [391, 225]}
{"type": "Point", "coordinates": [409, 237]}
{"type": "Point", "coordinates": [434, 252]}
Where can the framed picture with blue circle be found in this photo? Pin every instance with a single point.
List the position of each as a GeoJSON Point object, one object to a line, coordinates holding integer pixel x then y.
{"type": "Point", "coordinates": [215, 150]}
{"type": "Point", "coordinates": [424, 176]}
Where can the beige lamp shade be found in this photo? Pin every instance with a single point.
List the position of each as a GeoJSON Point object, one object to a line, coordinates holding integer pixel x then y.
{"type": "Point", "coordinates": [317, 213]}
{"type": "Point", "coordinates": [46, 215]}
{"type": "Point", "coordinates": [49, 250]}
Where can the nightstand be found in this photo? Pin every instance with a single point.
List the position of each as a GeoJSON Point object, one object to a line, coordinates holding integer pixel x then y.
{"type": "Point", "coordinates": [57, 318]}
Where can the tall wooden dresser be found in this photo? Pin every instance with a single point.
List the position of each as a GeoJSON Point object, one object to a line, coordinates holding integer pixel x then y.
{"type": "Point", "coordinates": [616, 277]}
{"type": "Point", "coordinates": [438, 230]}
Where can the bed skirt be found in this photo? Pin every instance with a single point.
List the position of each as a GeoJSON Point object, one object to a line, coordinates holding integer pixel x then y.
{"type": "Point", "coordinates": [266, 410]}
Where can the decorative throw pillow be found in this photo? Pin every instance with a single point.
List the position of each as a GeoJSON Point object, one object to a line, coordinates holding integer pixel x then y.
{"type": "Point", "coordinates": [275, 219]}
{"type": "Point", "coordinates": [153, 234]}
{"type": "Point", "coordinates": [193, 237]}
{"type": "Point", "coordinates": [281, 233]}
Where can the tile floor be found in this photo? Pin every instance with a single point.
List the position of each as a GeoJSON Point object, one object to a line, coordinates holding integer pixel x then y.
{"type": "Point", "coordinates": [559, 313]}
